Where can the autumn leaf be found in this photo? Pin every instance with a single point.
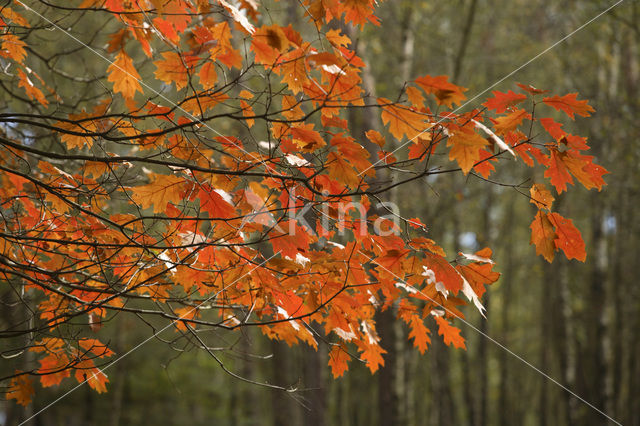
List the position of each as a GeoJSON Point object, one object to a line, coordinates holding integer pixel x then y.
{"type": "Point", "coordinates": [340, 169]}
{"type": "Point", "coordinates": [540, 196]}
{"type": "Point", "coordinates": [32, 91]}
{"type": "Point", "coordinates": [162, 190]}
{"type": "Point", "coordinates": [294, 70]}
{"type": "Point", "coordinates": [558, 172]}
{"type": "Point", "coordinates": [174, 68]}
{"type": "Point", "coordinates": [444, 272]}
{"type": "Point", "coordinates": [450, 334]}
{"type": "Point", "coordinates": [375, 137]}
{"type": "Point", "coordinates": [21, 389]}
{"type": "Point", "coordinates": [53, 368]}
{"type": "Point", "coordinates": [13, 46]}
{"type": "Point", "coordinates": [511, 121]}
{"type": "Point", "coordinates": [338, 360]}
{"type": "Point", "coordinates": [124, 76]}
{"type": "Point", "coordinates": [306, 137]}
{"type": "Point", "coordinates": [208, 75]}
{"type": "Point", "coordinates": [543, 236]}
{"type": "Point", "coordinates": [583, 169]}
{"type": "Point", "coordinates": [238, 16]}
{"type": "Point", "coordinates": [446, 93]}
{"type": "Point", "coordinates": [213, 202]}
{"type": "Point", "coordinates": [372, 355]}
{"type": "Point", "coordinates": [419, 333]}
{"type": "Point", "coordinates": [465, 148]}
{"type": "Point", "coordinates": [401, 120]}
{"type": "Point", "coordinates": [568, 238]}
{"type": "Point", "coordinates": [570, 105]}
{"type": "Point", "coordinates": [95, 378]}
{"type": "Point", "coordinates": [552, 127]}
{"type": "Point", "coordinates": [500, 101]}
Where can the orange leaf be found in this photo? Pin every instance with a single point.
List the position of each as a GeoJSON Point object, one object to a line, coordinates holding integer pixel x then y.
{"type": "Point", "coordinates": [162, 190]}
{"type": "Point", "coordinates": [584, 170]}
{"type": "Point", "coordinates": [465, 148]}
{"type": "Point", "coordinates": [450, 334]}
{"type": "Point", "coordinates": [401, 120]}
{"type": "Point", "coordinates": [558, 172]}
{"type": "Point", "coordinates": [570, 105]}
{"type": "Point", "coordinates": [185, 314]}
{"type": "Point", "coordinates": [14, 47]}
{"type": "Point", "coordinates": [21, 389]}
{"type": "Point", "coordinates": [444, 272]}
{"type": "Point", "coordinates": [529, 88]}
{"type": "Point", "coordinates": [53, 368]}
{"type": "Point", "coordinates": [375, 137]}
{"type": "Point", "coordinates": [294, 70]}
{"type": "Point", "coordinates": [543, 236]}
{"type": "Point", "coordinates": [341, 170]}
{"type": "Point", "coordinates": [96, 379]}
{"type": "Point", "coordinates": [124, 76]}
{"type": "Point", "coordinates": [208, 75]}
{"type": "Point", "coordinates": [172, 69]}
{"type": "Point", "coordinates": [511, 121]}
{"type": "Point", "coordinates": [568, 238]}
{"type": "Point", "coordinates": [540, 196]}
{"type": "Point", "coordinates": [338, 361]}
{"type": "Point", "coordinates": [446, 93]}
{"type": "Point", "coordinates": [552, 127]}
{"type": "Point", "coordinates": [307, 138]}
{"type": "Point", "coordinates": [32, 91]}
{"type": "Point", "coordinates": [419, 333]}
{"type": "Point", "coordinates": [415, 97]}
{"type": "Point", "coordinates": [212, 202]}
{"type": "Point", "coordinates": [372, 354]}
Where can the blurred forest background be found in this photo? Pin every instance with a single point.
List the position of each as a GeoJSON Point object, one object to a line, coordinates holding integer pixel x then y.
{"type": "Point", "coordinates": [579, 323]}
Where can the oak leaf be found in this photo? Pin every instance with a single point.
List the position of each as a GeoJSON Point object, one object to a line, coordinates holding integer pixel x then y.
{"type": "Point", "coordinates": [570, 105]}
{"type": "Point", "coordinates": [568, 238]}
{"type": "Point", "coordinates": [450, 334]}
{"type": "Point", "coordinates": [500, 101]}
{"type": "Point", "coordinates": [465, 148]}
{"type": "Point", "coordinates": [21, 389]}
{"type": "Point", "coordinates": [543, 236]}
{"type": "Point", "coordinates": [124, 76]}
{"type": "Point", "coordinates": [162, 190]}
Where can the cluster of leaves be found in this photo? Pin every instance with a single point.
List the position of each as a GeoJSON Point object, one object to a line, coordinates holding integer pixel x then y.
{"type": "Point", "coordinates": [142, 204]}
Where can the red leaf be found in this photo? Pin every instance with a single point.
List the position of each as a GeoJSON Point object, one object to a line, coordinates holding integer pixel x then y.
{"type": "Point", "coordinates": [558, 172]}
{"type": "Point", "coordinates": [502, 101]}
{"type": "Point", "coordinates": [553, 128]}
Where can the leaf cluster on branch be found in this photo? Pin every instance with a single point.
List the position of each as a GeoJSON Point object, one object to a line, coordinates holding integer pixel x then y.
{"type": "Point", "coordinates": [210, 176]}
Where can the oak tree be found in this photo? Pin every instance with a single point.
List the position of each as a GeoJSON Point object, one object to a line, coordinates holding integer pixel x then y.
{"type": "Point", "coordinates": [195, 162]}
